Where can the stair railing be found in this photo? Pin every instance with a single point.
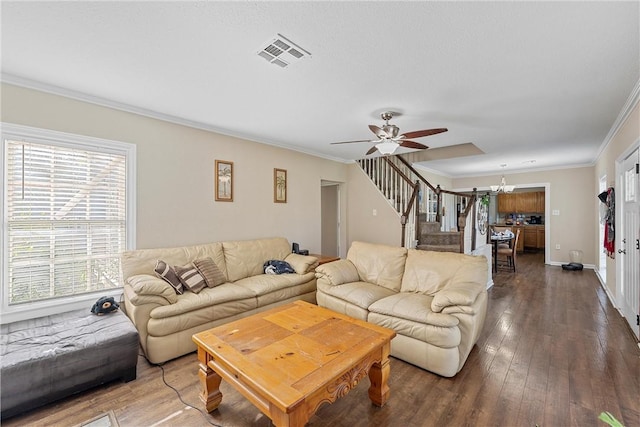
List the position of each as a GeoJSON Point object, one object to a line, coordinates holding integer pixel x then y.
{"type": "Point", "coordinates": [394, 183]}
{"type": "Point", "coordinates": [401, 184]}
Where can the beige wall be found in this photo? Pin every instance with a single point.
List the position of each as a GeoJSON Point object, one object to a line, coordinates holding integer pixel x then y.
{"type": "Point", "coordinates": [363, 198]}
{"type": "Point", "coordinates": [571, 193]}
{"type": "Point", "coordinates": [626, 137]}
{"type": "Point", "coordinates": [175, 186]}
{"type": "Point", "coordinates": [175, 203]}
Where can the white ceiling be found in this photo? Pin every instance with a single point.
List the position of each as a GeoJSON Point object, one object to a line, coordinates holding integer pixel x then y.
{"type": "Point", "coordinates": [523, 81]}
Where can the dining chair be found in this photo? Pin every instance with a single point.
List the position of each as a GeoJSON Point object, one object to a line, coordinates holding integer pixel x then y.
{"type": "Point", "coordinates": [510, 252]}
{"type": "Point", "coordinates": [501, 229]}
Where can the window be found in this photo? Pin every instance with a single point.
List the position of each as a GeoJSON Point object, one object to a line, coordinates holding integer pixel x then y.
{"type": "Point", "coordinates": [67, 209]}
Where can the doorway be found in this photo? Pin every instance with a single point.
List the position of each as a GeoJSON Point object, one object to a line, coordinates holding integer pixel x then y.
{"type": "Point", "coordinates": [330, 218]}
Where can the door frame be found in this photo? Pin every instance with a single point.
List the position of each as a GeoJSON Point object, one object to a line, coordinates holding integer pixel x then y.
{"type": "Point", "coordinates": [619, 218]}
{"type": "Point", "coordinates": [340, 214]}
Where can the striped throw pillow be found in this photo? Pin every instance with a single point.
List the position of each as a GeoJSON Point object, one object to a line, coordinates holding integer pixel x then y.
{"type": "Point", "coordinates": [191, 277]}
{"type": "Point", "coordinates": [210, 271]}
{"type": "Point", "coordinates": [168, 274]}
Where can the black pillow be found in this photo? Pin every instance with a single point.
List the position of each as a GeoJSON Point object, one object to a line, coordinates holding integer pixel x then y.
{"type": "Point", "coordinates": [277, 267]}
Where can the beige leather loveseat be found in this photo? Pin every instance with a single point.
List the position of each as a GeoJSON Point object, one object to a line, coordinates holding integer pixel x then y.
{"type": "Point", "coordinates": [435, 301]}
{"type": "Point", "coordinates": [166, 321]}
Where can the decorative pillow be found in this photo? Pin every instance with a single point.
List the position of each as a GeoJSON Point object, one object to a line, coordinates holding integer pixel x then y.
{"type": "Point", "coordinates": [191, 277]}
{"type": "Point", "coordinates": [210, 271]}
{"type": "Point", "coordinates": [277, 267]}
{"type": "Point", "coordinates": [166, 272]}
{"type": "Point", "coordinates": [302, 264]}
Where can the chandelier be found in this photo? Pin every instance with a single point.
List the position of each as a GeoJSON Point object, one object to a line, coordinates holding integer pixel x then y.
{"type": "Point", "coordinates": [503, 187]}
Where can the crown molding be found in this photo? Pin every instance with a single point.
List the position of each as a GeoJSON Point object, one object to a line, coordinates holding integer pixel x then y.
{"type": "Point", "coordinates": [628, 107]}
{"type": "Point", "coordinates": [103, 102]}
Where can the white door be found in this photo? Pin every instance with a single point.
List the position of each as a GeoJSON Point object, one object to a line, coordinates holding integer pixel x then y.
{"type": "Point", "coordinates": [629, 241]}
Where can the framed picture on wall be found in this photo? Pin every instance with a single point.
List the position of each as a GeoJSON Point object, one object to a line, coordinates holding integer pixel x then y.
{"type": "Point", "coordinates": [280, 186]}
{"type": "Point", "coordinates": [224, 181]}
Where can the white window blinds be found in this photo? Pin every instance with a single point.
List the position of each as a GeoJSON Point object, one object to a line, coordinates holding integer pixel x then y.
{"type": "Point", "coordinates": [66, 219]}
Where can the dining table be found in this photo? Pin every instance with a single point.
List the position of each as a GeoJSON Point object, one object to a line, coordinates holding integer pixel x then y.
{"type": "Point", "coordinates": [496, 239]}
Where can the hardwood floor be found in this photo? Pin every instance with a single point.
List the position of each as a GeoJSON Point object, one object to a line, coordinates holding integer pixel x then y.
{"type": "Point", "coordinates": [553, 352]}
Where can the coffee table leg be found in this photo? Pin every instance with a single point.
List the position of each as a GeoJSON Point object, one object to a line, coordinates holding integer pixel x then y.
{"type": "Point", "coordinates": [379, 376]}
{"type": "Point", "coordinates": [210, 382]}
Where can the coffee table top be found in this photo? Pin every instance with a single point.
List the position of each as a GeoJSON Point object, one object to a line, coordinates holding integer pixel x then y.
{"type": "Point", "coordinates": [291, 351]}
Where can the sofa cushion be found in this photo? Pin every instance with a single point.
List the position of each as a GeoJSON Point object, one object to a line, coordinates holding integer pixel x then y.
{"type": "Point", "coordinates": [411, 315]}
{"type": "Point", "coordinates": [190, 277]}
{"type": "Point", "coordinates": [209, 297]}
{"type": "Point", "coordinates": [143, 261]}
{"type": "Point", "coordinates": [267, 283]}
{"type": "Point", "coordinates": [337, 272]}
{"type": "Point", "coordinates": [163, 326]}
{"type": "Point", "coordinates": [168, 274]}
{"type": "Point", "coordinates": [378, 264]}
{"type": "Point", "coordinates": [427, 272]}
{"type": "Point", "coordinates": [361, 294]}
{"type": "Point", "coordinates": [416, 308]}
{"type": "Point", "coordinates": [145, 284]}
{"type": "Point", "coordinates": [210, 271]}
{"type": "Point", "coordinates": [246, 258]}
{"type": "Point", "coordinates": [302, 264]}
{"type": "Point", "coordinates": [433, 335]}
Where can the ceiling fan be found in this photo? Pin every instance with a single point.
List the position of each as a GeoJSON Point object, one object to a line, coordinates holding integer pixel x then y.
{"type": "Point", "coordinates": [389, 140]}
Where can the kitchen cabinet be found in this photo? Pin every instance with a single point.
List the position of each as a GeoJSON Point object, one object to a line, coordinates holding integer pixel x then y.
{"type": "Point", "coordinates": [530, 237]}
{"type": "Point", "coordinates": [506, 202]}
{"type": "Point", "coordinates": [540, 202]}
{"type": "Point", "coordinates": [527, 202]}
{"type": "Point", "coordinates": [531, 202]}
{"type": "Point", "coordinates": [534, 237]}
{"type": "Point", "coordinates": [540, 234]}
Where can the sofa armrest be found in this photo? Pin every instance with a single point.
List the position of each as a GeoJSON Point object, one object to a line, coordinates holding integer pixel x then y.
{"type": "Point", "coordinates": [302, 264]}
{"type": "Point", "coordinates": [149, 289]}
{"type": "Point", "coordinates": [337, 272]}
{"type": "Point", "coordinates": [459, 294]}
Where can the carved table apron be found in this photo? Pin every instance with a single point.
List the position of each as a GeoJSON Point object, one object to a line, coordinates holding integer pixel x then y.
{"type": "Point", "coordinates": [290, 360]}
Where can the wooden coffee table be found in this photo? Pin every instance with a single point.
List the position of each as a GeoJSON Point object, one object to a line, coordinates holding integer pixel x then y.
{"type": "Point", "coordinates": [290, 360]}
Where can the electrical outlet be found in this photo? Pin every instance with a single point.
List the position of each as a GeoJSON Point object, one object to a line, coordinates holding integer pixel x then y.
{"type": "Point", "coordinates": [558, 246]}
{"type": "Point", "coordinates": [375, 212]}
{"type": "Point", "coordinates": [555, 212]}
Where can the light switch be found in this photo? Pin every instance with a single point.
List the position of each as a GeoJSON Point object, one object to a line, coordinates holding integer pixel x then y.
{"type": "Point", "coordinates": [555, 212]}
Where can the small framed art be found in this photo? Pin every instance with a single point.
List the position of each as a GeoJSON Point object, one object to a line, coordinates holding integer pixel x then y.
{"type": "Point", "coordinates": [280, 186]}
{"type": "Point", "coordinates": [224, 181]}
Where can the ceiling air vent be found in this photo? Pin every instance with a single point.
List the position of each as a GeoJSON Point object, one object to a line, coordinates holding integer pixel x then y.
{"type": "Point", "coordinates": [282, 51]}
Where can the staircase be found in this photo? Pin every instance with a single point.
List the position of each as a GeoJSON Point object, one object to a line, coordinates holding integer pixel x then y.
{"type": "Point", "coordinates": [420, 206]}
{"type": "Point", "coordinates": [431, 238]}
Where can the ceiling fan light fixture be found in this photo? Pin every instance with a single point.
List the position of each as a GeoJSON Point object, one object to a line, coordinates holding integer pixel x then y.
{"type": "Point", "coordinates": [387, 147]}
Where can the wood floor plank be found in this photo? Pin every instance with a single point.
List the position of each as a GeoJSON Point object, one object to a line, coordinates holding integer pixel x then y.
{"type": "Point", "coordinates": [553, 352]}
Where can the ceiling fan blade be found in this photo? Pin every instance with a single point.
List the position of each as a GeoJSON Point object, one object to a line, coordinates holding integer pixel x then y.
{"type": "Point", "coordinates": [372, 150]}
{"type": "Point", "coordinates": [351, 142]}
{"type": "Point", "coordinates": [412, 144]}
{"type": "Point", "coordinates": [421, 133]}
{"type": "Point", "coordinates": [379, 132]}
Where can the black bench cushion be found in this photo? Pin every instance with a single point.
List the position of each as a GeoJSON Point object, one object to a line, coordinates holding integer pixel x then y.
{"type": "Point", "coordinates": [51, 357]}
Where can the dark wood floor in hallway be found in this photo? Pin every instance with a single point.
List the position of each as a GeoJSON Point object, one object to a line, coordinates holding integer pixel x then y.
{"type": "Point", "coordinates": [553, 352]}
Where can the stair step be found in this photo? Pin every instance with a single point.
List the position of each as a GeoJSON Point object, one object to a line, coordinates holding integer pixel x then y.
{"type": "Point", "coordinates": [442, 238]}
{"type": "Point", "coordinates": [439, 248]}
{"type": "Point", "coordinates": [429, 227]}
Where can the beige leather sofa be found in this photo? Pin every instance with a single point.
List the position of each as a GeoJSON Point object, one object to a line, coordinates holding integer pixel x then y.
{"type": "Point", "coordinates": [435, 301]}
{"type": "Point", "coordinates": [166, 321]}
